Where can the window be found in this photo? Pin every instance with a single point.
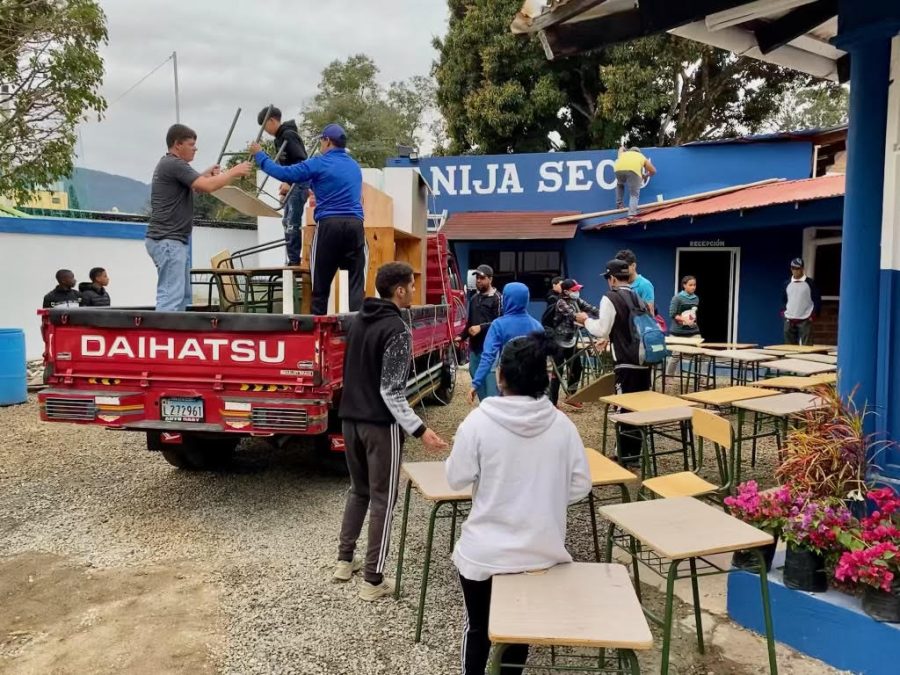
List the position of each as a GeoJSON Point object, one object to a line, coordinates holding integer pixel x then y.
{"type": "Point", "coordinates": [822, 253]}
{"type": "Point", "coordinates": [55, 200]}
{"type": "Point", "coordinates": [535, 269]}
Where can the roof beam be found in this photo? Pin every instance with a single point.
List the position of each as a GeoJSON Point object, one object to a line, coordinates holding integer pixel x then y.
{"type": "Point", "coordinates": [580, 36]}
{"type": "Point", "coordinates": [778, 33]}
{"type": "Point", "coordinates": [750, 11]}
{"type": "Point", "coordinates": [552, 18]}
{"type": "Point", "coordinates": [660, 15]}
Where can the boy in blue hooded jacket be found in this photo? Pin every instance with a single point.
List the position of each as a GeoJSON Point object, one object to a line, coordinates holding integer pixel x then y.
{"type": "Point", "coordinates": [515, 322]}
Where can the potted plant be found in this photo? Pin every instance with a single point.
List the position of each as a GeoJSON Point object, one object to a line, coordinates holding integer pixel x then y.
{"type": "Point", "coordinates": [812, 529]}
{"type": "Point", "coordinates": [873, 560]}
{"type": "Point", "coordinates": [765, 510]}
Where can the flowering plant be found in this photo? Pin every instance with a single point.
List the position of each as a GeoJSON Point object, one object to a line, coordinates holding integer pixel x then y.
{"type": "Point", "coordinates": [874, 555]}
{"type": "Point", "coordinates": [766, 510]}
{"type": "Point", "coordinates": [818, 525]}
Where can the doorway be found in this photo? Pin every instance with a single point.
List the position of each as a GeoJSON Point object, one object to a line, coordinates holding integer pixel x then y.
{"type": "Point", "coordinates": [718, 273]}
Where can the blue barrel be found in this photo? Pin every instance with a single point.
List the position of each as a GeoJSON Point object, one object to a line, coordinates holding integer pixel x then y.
{"type": "Point", "coordinates": [13, 371]}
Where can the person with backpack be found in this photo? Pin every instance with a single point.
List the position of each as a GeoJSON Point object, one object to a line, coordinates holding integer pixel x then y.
{"type": "Point", "coordinates": [626, 322]}
{"type": "Point", "coordinates": [559, 322]}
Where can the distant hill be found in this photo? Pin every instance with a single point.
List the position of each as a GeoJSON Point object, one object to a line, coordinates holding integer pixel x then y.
{"type": "Point", "coordinates": [101, 191]}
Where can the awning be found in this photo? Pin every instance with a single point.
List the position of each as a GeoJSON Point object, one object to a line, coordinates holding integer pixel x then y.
{"type": "Point", "coordinates": [760, 196]}
{"type": "Point", "coordinates": [795, 34]}
{"type": "Point", "coordinates": [506, 225]}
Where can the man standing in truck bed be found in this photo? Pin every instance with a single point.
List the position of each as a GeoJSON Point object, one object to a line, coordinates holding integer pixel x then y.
{"type": "Point", "coordinates": [374, 409]}
{"type": "Point", "coordinates": [340, 241]}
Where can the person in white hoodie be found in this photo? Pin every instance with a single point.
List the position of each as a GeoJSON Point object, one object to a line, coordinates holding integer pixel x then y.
{"type": "Point", "coordinates": [526, 463]}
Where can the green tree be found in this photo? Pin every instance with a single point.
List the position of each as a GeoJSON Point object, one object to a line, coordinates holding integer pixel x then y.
{"type": "Point", "coordinates": [499, 93]}
{"type": "Point", "coordinates": [375, 117]}
{"type": "Point", "coordinates": [819, 106]}
{"type": "Point", "coordinates": [50, 77]}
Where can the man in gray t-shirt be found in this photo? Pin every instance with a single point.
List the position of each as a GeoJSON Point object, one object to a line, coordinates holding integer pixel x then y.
{"type": "Point", "coordinates": [172, 214]}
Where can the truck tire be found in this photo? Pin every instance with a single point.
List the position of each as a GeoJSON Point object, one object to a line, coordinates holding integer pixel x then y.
{"type": "Point", "coordinates": [195, 453]}
{"type": "Point", "coordinates": [443, 395]}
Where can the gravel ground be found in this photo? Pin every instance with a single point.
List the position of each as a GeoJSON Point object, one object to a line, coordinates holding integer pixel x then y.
{"type": "Point", "coordinates": [250, 549]}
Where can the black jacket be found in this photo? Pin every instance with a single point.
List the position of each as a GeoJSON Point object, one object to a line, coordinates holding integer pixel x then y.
{"type": "Point", "coordinates": [294, 152]}
{"type": "Point", "coordinates": [93, 296]}
{"type": "Point", "coordinates": [62, 297]}
{"type": "Point", "coordinates": [559, 318]}
{"type": "Point", "coordinates": [377, 357]}
{"type": "Point", "coordinates": [483, 309]}
{"type": "Point", "coordinates": [625, 347]}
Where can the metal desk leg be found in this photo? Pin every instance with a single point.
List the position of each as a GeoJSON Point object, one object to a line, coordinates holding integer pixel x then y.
{"type": "Point", "coordinates": [667, 621]}
{"type": "Point", "coordinates": [426, 568]}
{"type": "Point", "coordinates": [610, 531]}
{"type": "Point", "coordinates": [767, 610]}
{"type": "Point", "coordinates": [757, 429]}
{"type": "Point", "coordinates": [635, 563]}
{"type": "Point", "coordinates": [402, 548]}
{"type": "Point", "coordinates": [697, 618]}
{"type": "Point", "coordinates": [631, 660]}
{"type": "Point", "coordinates": [739, 444]}
{"type": "Point", "coordinates": [453, 527]}
{"type": "Point", "coordinates": [496, 658]}
{"type": "Point", "coordinates": [605, 428]}
{"type": "Point", "coordinates": [652, 440]}
{"type": "Point", "coordinates": [594, 525]}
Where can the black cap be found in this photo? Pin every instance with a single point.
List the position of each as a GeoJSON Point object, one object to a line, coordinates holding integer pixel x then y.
{"type": "Point", "coordinates": [571, 285]}
{"type": "Point", "coordinates": [797, 263]}
{"type": "Point", "coordinates": [616, 268]}
{"type": "Point", "coordinates": [484, 271]}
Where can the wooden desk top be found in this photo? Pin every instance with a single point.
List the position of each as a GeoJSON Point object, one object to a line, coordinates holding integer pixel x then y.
{"type": "Point", "coordinates": [818, 358]}
{"type": "Point", "coordinates": [687, 350]}
{"type": "Point", "coordinates": [430, 479]}
{"type": "Point", "coordinates": [767, 352]}
{"type": "Point", "coordinates": [729, 345]}
{"type": "Point", "coordinates": [796, 382]}
{"type": "Point", "coordinates": [641, 401]}
{"type": "Point", "coordinates": [739, 355]}
{"type": "Point", "coordinates": [782, 405]}
{"type": "Point", "coordinates": [801, 367]}
{"type": "Point", "coordinates": [648, 418]}
{"type": "Point", "coordinates": [604, 471]}
{"type": "Point", "coordinates": [675, 340]}
{"type": "Point", "coordinates": [683, 527]}
{"type": "Point", "coordinates": [726, 395]}
{"type": "Point", "coordinates": [801, 349]}
{"type": "Point", "coordinates": [571, 605]}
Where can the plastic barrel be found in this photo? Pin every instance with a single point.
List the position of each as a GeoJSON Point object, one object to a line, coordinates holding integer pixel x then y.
{"type": "Point", "coordinates": [13, 371]}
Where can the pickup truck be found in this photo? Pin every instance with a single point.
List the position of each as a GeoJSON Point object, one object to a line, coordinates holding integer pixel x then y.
{"type": "Point", "coordinates": [197, 382]}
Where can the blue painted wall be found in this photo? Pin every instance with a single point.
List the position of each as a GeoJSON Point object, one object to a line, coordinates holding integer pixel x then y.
{"type": "Point", "coordinates": [585, 181]}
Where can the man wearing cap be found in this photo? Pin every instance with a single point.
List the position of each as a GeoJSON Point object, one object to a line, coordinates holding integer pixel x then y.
{"type": "Point", "coordinates": [631, 167]}
{"type": "Point", "coordinates": [563, 329]}
{"type": "Point", "coordinates": [340, 240]}
{"type": "Point", "coordinates": [484, 306]}
{"type": "Point", "coordinates": [801, 302]}
{"type": "Point", "coordinates": [613, 325]}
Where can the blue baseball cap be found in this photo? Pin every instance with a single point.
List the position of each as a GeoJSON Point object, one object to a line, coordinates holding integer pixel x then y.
{"type": "Point", "coordinates": [335, 133]}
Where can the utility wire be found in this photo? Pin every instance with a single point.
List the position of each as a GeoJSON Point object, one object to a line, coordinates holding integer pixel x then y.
{"type": "Point", "coordinates": [139, 82]}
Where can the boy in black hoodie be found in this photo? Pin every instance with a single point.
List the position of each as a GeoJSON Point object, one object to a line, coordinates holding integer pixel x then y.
{"type": "Point", "coordinates": [373, 409]}
{"type": "Point", "coordinates": [64, 295]}
{"type": "Point", "coordinates": [93, 292]}
{"type": "Point", "coordinates": [293, 196]}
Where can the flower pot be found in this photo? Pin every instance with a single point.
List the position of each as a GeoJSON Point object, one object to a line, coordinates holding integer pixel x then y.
{"type": "Point", "coordinates": [746, 559]}
{"type": "Point", "coordinates": [882, 605]}
{"type": "Point", "coordinates": [804, 570]}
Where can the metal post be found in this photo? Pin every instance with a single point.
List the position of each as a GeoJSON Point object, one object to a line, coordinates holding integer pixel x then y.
{"type": "Point", "coordinates": [402, 541]}
{"type": "Point", "coordinates": [237, 114]}
{"type": "Point", "coordinates": [177, 102]}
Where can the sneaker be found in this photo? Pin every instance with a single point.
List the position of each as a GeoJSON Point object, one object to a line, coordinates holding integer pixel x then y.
{"type": "Point", "coordinates": [344, 570]}
{"type": "Point", "coordinates": [574, 404]}
{"type": "Point", "coordinates": [370, 592]}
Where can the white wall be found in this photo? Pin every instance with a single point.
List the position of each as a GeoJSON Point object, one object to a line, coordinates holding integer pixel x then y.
{"type": "Point", "coordinates": [28, 263]}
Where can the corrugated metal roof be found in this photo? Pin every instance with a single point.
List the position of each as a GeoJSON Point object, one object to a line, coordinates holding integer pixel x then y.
{"type": "Point", "coordinates": [812, 135]}
{"type": "Point", "coordinates": [782, 192]}
{"type": "Point", "coordinates": [481, 225]}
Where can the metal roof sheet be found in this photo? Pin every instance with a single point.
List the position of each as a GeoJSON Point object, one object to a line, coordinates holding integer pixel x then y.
{"type": "Point", "coordinates": [481, 225]}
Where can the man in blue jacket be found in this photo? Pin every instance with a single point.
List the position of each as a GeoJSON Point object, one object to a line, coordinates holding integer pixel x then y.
{"type": "Point", "coordinates": [340, 240]}
{"type": "Point", "coordinates": [515, 322]}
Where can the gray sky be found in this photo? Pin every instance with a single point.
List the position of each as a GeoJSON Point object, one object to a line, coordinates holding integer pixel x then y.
{"type": "Point", "coordinates": [254, 53]}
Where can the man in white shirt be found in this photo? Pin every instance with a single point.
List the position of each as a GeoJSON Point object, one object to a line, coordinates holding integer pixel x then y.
{"type": "Point", "coordinates": [801, 304]}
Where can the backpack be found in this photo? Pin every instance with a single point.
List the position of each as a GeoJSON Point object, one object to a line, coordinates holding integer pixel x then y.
{"type": "Point", "coordinates": [645, 331]}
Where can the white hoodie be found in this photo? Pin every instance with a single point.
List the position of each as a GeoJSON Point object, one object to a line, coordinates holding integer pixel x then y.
{"type": "Point", "coordinates": [527, 463]}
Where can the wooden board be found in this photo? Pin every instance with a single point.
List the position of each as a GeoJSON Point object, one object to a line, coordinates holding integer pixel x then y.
{"type": "Point", "coordinates": [681, 484]}
{"type": "Point", "coordinates": [644, 400]}
{"type": "Point", "coordinates": [801, 349]}
{"type": "Point", "coordinates": [430, 479]}
{"type": "Point", "coordinates": [818, 358]}
{"type": "Point", "coordinates": [782, 405]}
{"type": "Point", "coordinates": [244, 202]}
{"type": "Point", "coordinates": [799, 367]}
{"type": "Point", "coordinates": [570, 605]}
{"type": "Point", "coordinates": [605, 385]}
{"type": "Point", "coordinates": [796, 382]}
{"type": "Point", "coordinates": [726, 395]}
{"type": "Point", "coordinates": [730, 345]}
{"type": "Point", "coordinates": [648, 418]}
{"type": "Point", "coordinates": [378, 207]}
{"type": "Point", "coordinates": [683, 527]}
{"type": "Point", "coordinates": [604, 471]}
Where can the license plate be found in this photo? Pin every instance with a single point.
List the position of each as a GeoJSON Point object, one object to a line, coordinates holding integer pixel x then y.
{"type": "Point", "coordinates": [182, 409]}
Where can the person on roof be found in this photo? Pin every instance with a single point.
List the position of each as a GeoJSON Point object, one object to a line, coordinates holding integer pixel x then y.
{"type": "Point", "coordinates": [631, 168]}
{"type": "Point", "coordinates": [340, 240]}
{"type": "Point", "coordinates": [93, 292]}
{"type": "Point", "coordinates": [514, 322]}
{"type": "Point", "coordinates": [292, 151]}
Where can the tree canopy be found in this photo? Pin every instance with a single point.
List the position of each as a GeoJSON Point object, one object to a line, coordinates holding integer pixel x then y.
{"type": "Point", "coordinates": [499, 93]}
{"type": "Point", "coordinates": [50, 77]}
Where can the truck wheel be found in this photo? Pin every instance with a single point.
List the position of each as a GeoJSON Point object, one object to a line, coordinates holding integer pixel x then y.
{"type": "Point", "coordinates": [178, 457]}
{"type": "Point", "coordinates": [444, 393]}
{"type": "Point", "coordinates": [195, 453]}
